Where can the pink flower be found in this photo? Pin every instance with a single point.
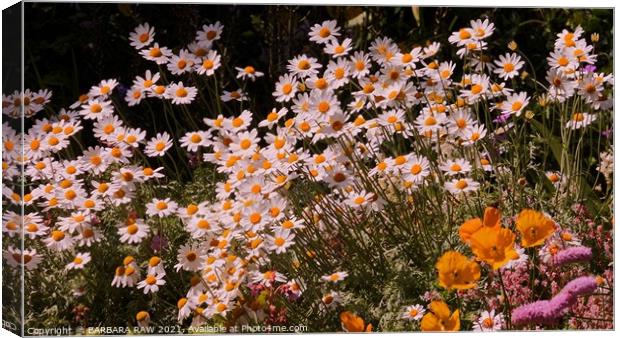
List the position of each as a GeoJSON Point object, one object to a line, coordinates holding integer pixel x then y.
{"type": "Point", "coordinates": [549, 311]}
{"type": "Point", "coordinates": [573, 255]}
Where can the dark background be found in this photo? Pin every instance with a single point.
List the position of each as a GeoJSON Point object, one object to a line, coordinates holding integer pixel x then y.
{"type": "Point", "coordinates": [72, 46]}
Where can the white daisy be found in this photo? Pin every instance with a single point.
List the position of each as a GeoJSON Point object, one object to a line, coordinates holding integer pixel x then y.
{"type": "Point", "coordinates": [152, 283]}
{"type": "Point", "coordinates": [79, 261]}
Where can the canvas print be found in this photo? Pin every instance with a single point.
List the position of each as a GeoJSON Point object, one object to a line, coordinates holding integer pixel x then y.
{"type": "Point", "coordinates": [208, 169]}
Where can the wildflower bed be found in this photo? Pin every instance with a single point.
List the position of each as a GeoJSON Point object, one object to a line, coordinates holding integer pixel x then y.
{"type": "Point", "coordinates": [387, 190]}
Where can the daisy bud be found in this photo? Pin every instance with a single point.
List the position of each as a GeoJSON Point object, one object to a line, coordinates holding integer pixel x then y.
{"type": "Point", "coordinates": [301, 87]}
{"type": "Point", "coordinates": [512, 45]}
{"type": "Point", "coordinates": [543, 100]}
{"type": "Point", "coordinates": [529, 115]}
{"type": "Point", "coordinates": [524, 75]}
{"type": "Point", "coordinates": [595, 37]}
{"type": "Point", "coordinates": [143, 318]}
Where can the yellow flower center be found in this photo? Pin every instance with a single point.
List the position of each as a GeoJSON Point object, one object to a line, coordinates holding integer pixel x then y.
{"type": "Point", "coordinates": [195, 138]}
{"type": "Point", "coordinates": [324, 32]}
{"type": "Point", "coordinates": [132, 229]}
{"type": "Point", "coordinates": [237, 122]}
{"type": "Point", "coordinates": [461, 184]}
{"type": "Point", "coordinates": [58, 235]}
{"type": "Point", "coordinates": [430, 121]}
{"type": "Point", "coordinates": [464, 34]}
{"type": "Point", "coordinates": [181, 92]}
{"type": "Point", "coordinates": [563, 61]}
{"type": "Point", "coordinates": [155, 52]}
{"type": "Point", "coordinates": [475, 89]}
{"type": "Point", "coordinates": [303, 65]}
{"type": "Point", "coordinates": [245, 144]}
{"type": "Point", "coordinates": [151, 280]}
{"type": "Point", "coordinates": [144, 37]}
{"type": "Point", "coordinates": [416, 169]}
{"type": "Point", "coordinates": [287, 88]}
{"type": "Point", "coordinates": [159, 90]}
{"type": "Point", "coordinates": [255, 218]}
{"type": "Point", "coordinates": [488, 323]}
{"type": "Point", "coordinates": [203, 224]}
{"type": "Point", "coordinates": [279, 241]}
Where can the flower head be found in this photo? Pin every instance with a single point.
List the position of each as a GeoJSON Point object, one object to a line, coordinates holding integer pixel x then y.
{"type": "Point", "coordinates": [456, 271]}
{"type": "Point", "coordinates": [353, 323]}
{"type": "Point", "coordinates": [439, 318]}
{"type": "Point", "coordinates": [495, 246]}
{"type": "Point", "coordinates": [491, 219]}
{"type": "Point", "coordinates": [535, 227]}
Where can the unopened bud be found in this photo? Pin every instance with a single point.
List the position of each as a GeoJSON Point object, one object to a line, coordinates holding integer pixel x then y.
{"type": "Point", "coordinates": [543, 100]}
{"type": "Point", "coordinates": [529, 115]}
{"type": "Point", "coordinates": [512, 45]}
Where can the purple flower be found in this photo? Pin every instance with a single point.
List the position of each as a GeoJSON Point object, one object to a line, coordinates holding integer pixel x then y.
{"type": "Point", "coordinates": [502, 118]}
{"type": "Point", "coordinates": [589, 69]}
{"type": "Point", "coordinates": [607, 133]}
{"type": "Point", "coordinates": [539, 312]}
{"type": "Point", "coordinates": [158, 243]}
{"type": "Point", "coordinates": [549, 311]}
{"type": "Point", "coordinates": [573, 255]}
{"type": "Point", "coordinates": [579, 286]}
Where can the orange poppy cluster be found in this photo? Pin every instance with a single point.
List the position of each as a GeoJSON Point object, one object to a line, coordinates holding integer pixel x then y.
{"type": "Point", "coordinates": [492, 244]}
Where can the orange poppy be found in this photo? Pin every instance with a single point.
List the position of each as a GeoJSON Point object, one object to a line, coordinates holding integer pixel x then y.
{"type": "Point", "coordinates": [456, 271]}
{"type": "Point", "coordinates": [494, 246]}
{"type": "Point", "coordinates": [353, 323]}
{"type": "Point", "coordinates": [440, 319]}
{"type": "Point", "coordinates": [534, 227]}
{"type": "Point", "coordinates": [492, 217]}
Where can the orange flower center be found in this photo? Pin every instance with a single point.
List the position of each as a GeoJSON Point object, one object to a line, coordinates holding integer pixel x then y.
{"type": "Point", "coordinates": [155, 52]}
{"type": "Point", "coordinates": [151, 280]}
{"type": "Point", "coordinates": [181, 92]}
{"type": "Point", "coordinates": [509, 67]}
{"type": "Point", "coordinates": [144, 37]}
{"type": "Point", "coordinates": [461, 184]}
{"type": "Point", "coordinates": [324, 32]}
{"type": "Point", "coordinates": [287, 88]}
{"type": "Point", "coordinates": [303, 65]}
